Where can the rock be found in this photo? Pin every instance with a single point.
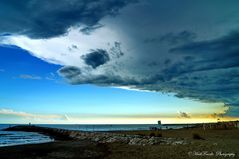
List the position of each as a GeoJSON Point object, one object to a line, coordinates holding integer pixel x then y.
{"type": "Point", "coordinates": [177, 143]}
{"type": "Point", "coordinates": [73, 134]}
{"type": "Point", "coordinates": [143, 142]}
{"type": "Point", "coordinates": [134, 141]}
{"type": "Point", "coordinates": [153, 140]}
{"type": "Point", "coordinates": [111, 139]}
{"type": "Point", "coordinates": [96, 139]}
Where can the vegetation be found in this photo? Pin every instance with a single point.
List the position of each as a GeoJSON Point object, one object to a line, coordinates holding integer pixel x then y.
{"type": "Point", "coordinates": [196, 136]}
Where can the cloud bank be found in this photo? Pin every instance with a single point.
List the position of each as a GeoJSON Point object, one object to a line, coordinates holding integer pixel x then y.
{"type": "Point", "coordinates": [186, 48]}
{"type": "Point", "coordinates": [32, 117]}
{"type": "Point", "coordinates": [46, 19]}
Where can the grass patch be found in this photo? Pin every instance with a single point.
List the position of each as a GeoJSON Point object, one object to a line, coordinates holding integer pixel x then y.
{"type": "Point", "coordinates": [152, 134]}
{"type": "Point", "coordinates": [196, 136]}
{"type": "Point", "coordinates": [155, 134]}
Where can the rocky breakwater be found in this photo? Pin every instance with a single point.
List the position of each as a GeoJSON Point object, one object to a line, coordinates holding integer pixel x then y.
{"type": "Point", "coordinates": [101, 137]}
{"type": "Point", "coordinates": [57, 134]}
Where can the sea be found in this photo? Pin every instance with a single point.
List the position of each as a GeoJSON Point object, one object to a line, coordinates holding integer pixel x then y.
{"type": "Point", "coordinates": [10, 138]}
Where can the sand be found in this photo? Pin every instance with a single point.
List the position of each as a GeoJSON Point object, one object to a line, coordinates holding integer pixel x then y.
{"type": "Point", "coordinates": [55, 150]}
{"type": "Point", "coordinates": [216, 144]}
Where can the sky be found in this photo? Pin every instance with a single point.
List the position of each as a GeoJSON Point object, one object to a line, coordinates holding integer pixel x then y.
{"type": "Point", "coordinates": [119, 61]}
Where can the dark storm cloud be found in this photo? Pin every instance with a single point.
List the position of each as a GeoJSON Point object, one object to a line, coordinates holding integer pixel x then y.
{"type": "Point", "coordinates": [183, 115]}
{"type": "Point", "coordinates": [233, 111]}
{"type": "Point", "coordinates": [75, 76]}
{"type": "Point", "coordinates": [45, 19]}
{"type": "Point", "coordinates": [70, 72]}
{"type": "Point", "coordinates": [207, 71]}
{"type": "Point", "coordinates": [173, 38]}
{"type": "Point", "coordinates": [96, 58]}
{"type": "Point", "coordinates": [217, 115]}
{"type": "Point", "coordinates": [213, 71]}
{"type": "Point", "coordinates": [223, 48]}
{"type": "Point", "coordinates": [88, 30]}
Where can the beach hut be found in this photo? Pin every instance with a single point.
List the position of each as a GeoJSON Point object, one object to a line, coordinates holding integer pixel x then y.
{"type": "Point", "coordinates": [159, 124]}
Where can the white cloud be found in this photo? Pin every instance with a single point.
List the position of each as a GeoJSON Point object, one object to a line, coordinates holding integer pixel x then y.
{"type": "Point", "coordinates": [41, 118]}
{"type": "Point", "coordinates": [32, 77]}
{"type": "Point", "coordinates": [60, 50]}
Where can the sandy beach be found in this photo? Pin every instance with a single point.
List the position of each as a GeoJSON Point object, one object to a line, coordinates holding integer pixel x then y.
{"type": "Point", "coordinates": [197, 143]}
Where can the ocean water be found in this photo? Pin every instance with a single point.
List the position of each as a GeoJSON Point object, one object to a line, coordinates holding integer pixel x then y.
{"type": "Point", "coordinates": [103, 127]}
{"type": "Point", "coordinates": [8, 138]}
{"type": "Point", "coordinates": [113, 127]}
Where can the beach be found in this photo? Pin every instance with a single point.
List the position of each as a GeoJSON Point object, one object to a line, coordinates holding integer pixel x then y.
{"type": "Point", "coordinates": [176, 144]}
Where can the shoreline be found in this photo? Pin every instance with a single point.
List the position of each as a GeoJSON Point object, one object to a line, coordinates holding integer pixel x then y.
{"type": "Point", "coordinates": [22, 144]}
{"type": "Point", "coordinates": [63, 146]}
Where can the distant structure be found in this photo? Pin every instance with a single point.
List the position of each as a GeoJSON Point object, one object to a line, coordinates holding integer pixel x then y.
{"type": "Point", "coordinates": [221, 125]}
{"type": "Point", "coordinates": [158, 127]}
{"type": "Point", "coordinates": [159, 122]}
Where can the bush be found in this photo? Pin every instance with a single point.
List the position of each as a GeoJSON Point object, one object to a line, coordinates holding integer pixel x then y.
{"type": "Point", "coordinates": [152, 134]}
{"type": "Point", "coordinates": [155, 134]}
{"type": "Point", "coordinates": [139, 134]}
{"type": "Point", "coordinates": [158, 135]}
{"type": "Point", "coordinates": [197, 137]}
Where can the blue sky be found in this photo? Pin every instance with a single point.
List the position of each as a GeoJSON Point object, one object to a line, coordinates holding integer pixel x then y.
{"type": "Point", "coordinates": [43, 91]}
{"type": "Point", "coordinates": [119, 61]}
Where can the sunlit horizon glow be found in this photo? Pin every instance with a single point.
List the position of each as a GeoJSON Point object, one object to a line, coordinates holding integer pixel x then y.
{"type": "Point", "coordinates": [114, 118]}
{"type": "Point", "coordinates": [127, 121]}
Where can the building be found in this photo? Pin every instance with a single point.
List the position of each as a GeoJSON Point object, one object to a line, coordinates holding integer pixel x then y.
{"type": "Point", "coordinates": [159, 122]}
